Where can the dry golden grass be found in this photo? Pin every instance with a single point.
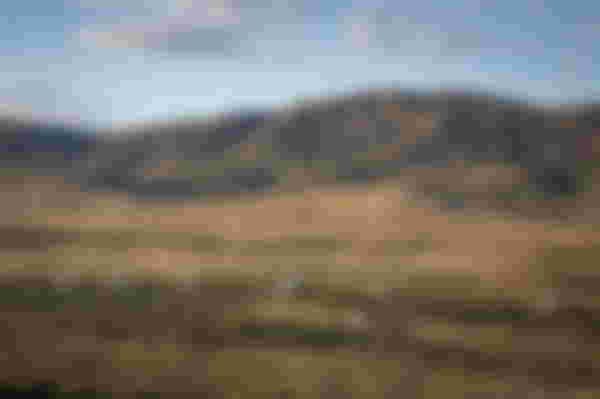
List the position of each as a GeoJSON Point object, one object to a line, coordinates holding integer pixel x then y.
{"type": "Point", "coordinates": [348, 244]}
{"type": "Point", "coordinates": [372, 218]}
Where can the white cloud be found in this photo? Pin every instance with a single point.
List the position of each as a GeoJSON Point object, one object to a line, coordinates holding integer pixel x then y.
{"type": "Point", "coordinates": [215, 27]}
{"type": "Point", "coordinates": [209, 12]}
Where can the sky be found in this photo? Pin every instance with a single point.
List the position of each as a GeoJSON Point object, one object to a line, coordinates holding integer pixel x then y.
{"type": "Point", "coordinates": [114, 62]}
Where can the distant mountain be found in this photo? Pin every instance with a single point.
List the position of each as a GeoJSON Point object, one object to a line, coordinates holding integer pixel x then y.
{"type": "Point", "coordinates": [137, 162]}
{"type": "Point", "coordinates": [41, 146]}
{"type": "Point", "coordinates": [358, 137]}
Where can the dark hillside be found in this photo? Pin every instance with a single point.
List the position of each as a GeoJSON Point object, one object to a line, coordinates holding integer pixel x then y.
{"type": "Point", "coordinates": [37, 145]}
{"type": "Point", "coordinates": [358, 137]}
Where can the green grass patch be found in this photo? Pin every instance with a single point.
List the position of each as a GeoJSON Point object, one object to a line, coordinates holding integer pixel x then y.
{"type": "Point", "coordinates": [46, 297]}
{"type": "Point", "coordinates": [313, 336]}
{"type": "Point", "coordinates": [50, 390]}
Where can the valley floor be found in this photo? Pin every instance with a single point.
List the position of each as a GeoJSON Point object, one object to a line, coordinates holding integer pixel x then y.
{"type": "Point", "coordinates": [349, 292]}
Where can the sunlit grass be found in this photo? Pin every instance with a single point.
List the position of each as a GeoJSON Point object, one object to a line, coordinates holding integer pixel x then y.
{"type": "Point", "coordinates": [291, 276]}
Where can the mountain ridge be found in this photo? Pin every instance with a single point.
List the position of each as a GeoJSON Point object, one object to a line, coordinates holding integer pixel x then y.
{"type": "Point", "coordinates": [437, 138]}
{"type": "Point", "coordinates": [415, 127]}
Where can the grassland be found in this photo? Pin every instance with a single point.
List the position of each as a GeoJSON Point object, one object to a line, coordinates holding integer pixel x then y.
{"type": "Point", "coordinates": [347, 292]}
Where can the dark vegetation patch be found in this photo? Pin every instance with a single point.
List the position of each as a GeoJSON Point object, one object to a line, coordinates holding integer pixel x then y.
{"type": "Point", "coordinates": [50, 390]}
{"type": "Point", "coordinates": [291, 335]}
{"type": "Point", "coordinates": [32, 238]}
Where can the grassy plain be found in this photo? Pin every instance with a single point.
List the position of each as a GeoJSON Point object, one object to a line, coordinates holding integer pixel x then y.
{"type": "Point", "coordinates": [346, 292]}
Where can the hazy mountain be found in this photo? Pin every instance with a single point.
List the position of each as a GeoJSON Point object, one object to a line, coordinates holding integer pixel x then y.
{"type": "Point", "coordinates": [449, 144]}
{"type": "Point", "coordinates": [357, 137]}
{"type": "Point", "coordinates": [40, 146]}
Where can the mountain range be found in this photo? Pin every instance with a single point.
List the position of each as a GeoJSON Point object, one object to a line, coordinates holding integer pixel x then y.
{"type": "Point", "coordinates": [439, 140]}
{"type": "Point", "coordinates": [40, 145]}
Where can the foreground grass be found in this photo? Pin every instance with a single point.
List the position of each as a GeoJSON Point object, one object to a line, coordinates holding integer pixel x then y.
{"type": "Point", "coordinates": [171, 338]}
{"type": "Point", "coordinates": [347, 293]}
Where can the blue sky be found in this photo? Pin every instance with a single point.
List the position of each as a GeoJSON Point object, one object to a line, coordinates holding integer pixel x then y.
{"type": "Point", "coordinates": [111, 62]}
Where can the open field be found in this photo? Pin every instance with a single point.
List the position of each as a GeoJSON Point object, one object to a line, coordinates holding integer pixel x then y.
{"type": "Point", "coordinates": [348, 292]}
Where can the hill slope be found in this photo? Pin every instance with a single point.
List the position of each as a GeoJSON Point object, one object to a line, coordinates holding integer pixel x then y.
{"type": "Point", "coordinates": [360, 137]}
{"type": "Point", "coordinates": [38, 145]}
